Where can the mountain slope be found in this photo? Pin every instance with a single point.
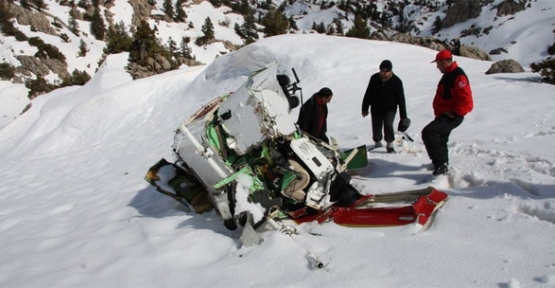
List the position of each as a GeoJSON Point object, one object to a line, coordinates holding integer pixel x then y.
{"type": "Point", "coordinates": [524, 35]}
{"type": "Point", "coordinates": [77, 212]}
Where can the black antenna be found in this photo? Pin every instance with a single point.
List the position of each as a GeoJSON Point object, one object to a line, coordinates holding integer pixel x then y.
{"type": "Point", "coordinates": [296, 77]}
{"type": "Point", "coordinates": [295, 87]}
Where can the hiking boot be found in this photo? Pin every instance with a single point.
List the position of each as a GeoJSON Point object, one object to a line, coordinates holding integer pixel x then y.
{"type": "Point", "coordinates": [390, 148]}
{"type": "Point", "coordinates": [376, 145]}
{"type": "Point", "coordinates": [441, 169]}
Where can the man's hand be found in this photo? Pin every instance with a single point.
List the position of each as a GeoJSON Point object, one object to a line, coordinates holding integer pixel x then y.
{"type": "Point", "coordinates": [364, 113]}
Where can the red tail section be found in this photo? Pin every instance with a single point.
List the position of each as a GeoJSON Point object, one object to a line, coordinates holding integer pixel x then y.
{"type": "Point", "coordinates": [393, 209]}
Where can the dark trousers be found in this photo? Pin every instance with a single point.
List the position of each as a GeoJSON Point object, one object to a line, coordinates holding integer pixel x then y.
{"type": "Point", "coordinates": [436, 135]}
{"type": "Point", "coordinates": [383, 121]}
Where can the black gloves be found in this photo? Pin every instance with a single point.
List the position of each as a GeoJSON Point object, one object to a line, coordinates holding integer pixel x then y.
{"type": "Point", "coordinates": [403, 125]}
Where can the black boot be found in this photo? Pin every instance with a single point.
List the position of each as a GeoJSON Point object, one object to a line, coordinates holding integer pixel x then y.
{"type": "Point", "coordinates": [441, 169]}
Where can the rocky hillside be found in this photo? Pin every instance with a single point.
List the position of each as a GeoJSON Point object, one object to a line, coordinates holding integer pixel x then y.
{"type": "Point", "coordinates": [51, 44]}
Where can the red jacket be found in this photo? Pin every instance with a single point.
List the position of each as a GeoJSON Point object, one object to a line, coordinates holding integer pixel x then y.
{"type": "Point", "coordinates": [453, 93]}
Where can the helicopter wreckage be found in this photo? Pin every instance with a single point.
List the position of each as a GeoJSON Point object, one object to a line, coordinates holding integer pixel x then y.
{"type": "Point", "coordinates": [243, 155]}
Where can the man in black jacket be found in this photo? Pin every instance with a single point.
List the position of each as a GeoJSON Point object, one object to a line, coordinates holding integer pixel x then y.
{"type": "Point", "coordinates": [314, 113]}
{"type": "Point", "coordinates": [384, 93]}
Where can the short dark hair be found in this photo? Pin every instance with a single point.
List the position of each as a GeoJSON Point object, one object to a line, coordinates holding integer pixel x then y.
{"type": "Point", "coordinates": [325, 92]}
{"type": "Point", "coordinates": [386, 65]}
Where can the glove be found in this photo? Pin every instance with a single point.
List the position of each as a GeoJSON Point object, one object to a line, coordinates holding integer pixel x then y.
{"type": "Point", "coordinates": [404, 124]}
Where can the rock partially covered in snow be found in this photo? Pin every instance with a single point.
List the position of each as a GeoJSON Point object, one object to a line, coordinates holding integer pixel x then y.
{"type": "Point", "coordinates": [505, 66]}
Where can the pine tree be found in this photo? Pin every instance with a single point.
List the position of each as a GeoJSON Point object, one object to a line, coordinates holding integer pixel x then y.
{"type": "Point", "coordinates": [38, 86]}
{"type": "Point", "coordinates": [321, 28]}
{"type": "Point", "coordinates": [360, 29]}
{"type": "Point", "coordinates": [242, 8]}
{"type": "Point", "coordinates": [373, 12]}
{"type": "Point", "coordinates": [404, 23]}
{"type": "Point", "coordinates": [98, 30]}
{"type": "Point", "coordinates": [76, 78]}
{"type": "Point", "coordinates": [7, 71]}
{"type": "Point", "coordinates": [83, 4]}
{"type": "Point", "coordinates": [215, 3]}
{"type": "Point", "coordinates": [275, 23]}
{"type": "Point", "coordinates": [238, 31]}
{"type": "Point", "coordinates": [83, 48]}
{"type": "Point", "coordinates": [185, 49]}
{"type": "Point", "coordinates": [117, 40]}
{"type": "Point", "coordinates": [45, 50]}
{"type": "Point", "coordinates": [180, 13]}
{"type": "Point", "coordinates": [293, 23]}
{"type": "Point", "coordinates": [168, 8]}
{"type": "Point", "coordinates": [385, 20]}
{"type": "Point", "coordinates": [546, 68]}
{"type": "Point", "coordinates": [208, 30]}
{"type": "Point", "coordinates": [436, 26]}
{"type": "Point", "coordinates": [65, 38]}
{"type": "Point", "coordinates": [248, 29]}
{"type": "Point", "coordinates": [144, 44]}
{"type": "Point", "coordinates": [342, 5]}
{"type": "Point", "coordinates": [73, 25]}
{"type": "Point", "coordinates": [339, 27]}
{"type": "Point", "coordinates": [551, 49]}
{"type": "Point", "coordinates": [172, 46]}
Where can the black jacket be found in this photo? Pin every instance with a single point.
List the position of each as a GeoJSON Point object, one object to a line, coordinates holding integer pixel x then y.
{"type": "Point", "coordinates": [385, 96]}
{"type": "Point", "coordinates": [313, 117]}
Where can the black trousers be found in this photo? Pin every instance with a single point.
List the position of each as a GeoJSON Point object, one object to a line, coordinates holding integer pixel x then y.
{"type": "Point", "coordinates": [436, 135]}
{"type": "Point", "coordinates": [383, 121]}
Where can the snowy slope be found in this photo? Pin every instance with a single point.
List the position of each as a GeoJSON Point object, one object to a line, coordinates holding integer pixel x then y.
{"type": "Point", "coordinates": [525, 35]}
{"type": "Point", "coordinates": [75, 211]}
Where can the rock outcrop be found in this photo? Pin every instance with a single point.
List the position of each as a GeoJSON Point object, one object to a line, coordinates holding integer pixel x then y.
{"type": "Point", "coordinates": [473, 52]}
{"type": "Point", "coordinates": [429, 42]}
{"type": "Point", "coordinates": [34, 19]}
{"type": "Point", "coordinates": [505, 66]}
{"type": "Point", "coordinates": [510, 7]}
{"type": "Point", "coordinates": [141, 11]}
{"type": "Point", "coordinates": [433, 43]}
{"type": "Point", "coordinates": [460, 11]}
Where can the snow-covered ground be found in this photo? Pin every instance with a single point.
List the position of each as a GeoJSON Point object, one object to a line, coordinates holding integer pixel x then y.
{"type": "Point", "coordinates": [76, 212]}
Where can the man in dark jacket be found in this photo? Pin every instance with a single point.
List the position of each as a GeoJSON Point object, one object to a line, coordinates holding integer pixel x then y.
{"type": "Point", "coordinates": [453, 100]}
{"type": "Point", "coordinates": [384, 93]}
{"type": "Point", "coordinates": [314, 113]}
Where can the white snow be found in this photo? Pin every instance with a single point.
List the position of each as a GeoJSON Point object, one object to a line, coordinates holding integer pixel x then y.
{"type": "Point", "coordinates": [76, 212]}
{"type": "Point", "coordinates": [13, 103]}
{"type": "Point", "coordinates": [525, 35]}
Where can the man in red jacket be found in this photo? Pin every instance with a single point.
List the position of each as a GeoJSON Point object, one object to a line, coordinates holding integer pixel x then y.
{"type": "Point", "coordinates": [453, 100]}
